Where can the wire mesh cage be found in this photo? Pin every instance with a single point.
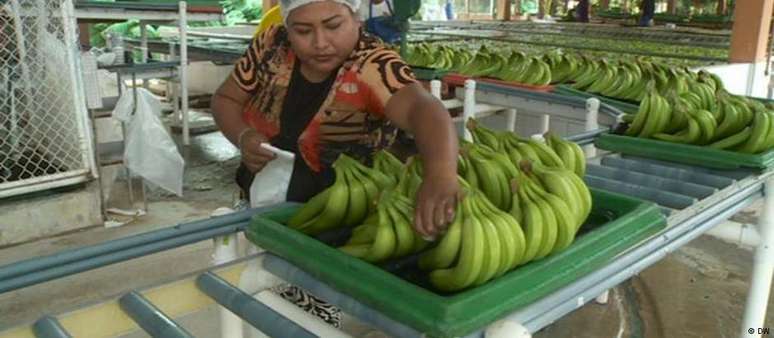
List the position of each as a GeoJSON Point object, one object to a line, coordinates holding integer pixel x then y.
{"type": "Point", "coordinates": [44, 129]}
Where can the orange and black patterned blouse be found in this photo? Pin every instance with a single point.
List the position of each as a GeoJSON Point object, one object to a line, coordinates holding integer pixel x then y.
{"type": "Point", "coordinates": [351, 118]}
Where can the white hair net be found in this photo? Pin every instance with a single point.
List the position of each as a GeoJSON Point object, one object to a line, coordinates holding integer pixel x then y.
{"type": "Point", "coordinates": [287, 6]}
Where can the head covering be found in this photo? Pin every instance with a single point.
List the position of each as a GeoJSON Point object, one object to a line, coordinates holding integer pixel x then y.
{"type": "Point", "coordinates": [288, 6]}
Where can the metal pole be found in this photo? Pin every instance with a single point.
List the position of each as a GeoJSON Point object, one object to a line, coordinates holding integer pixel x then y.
{"type": "Point", "coordinates": [226, 250]}
{"type": "Point", "coordinates": [49, 327]}
{"type": "Point", "coordinates": [760, 285]}
{"type": "Point", "coordinates": [468, 107]}
{"type": "Point", "coordinates": [592, 123]}
{"type": "Point", "coordinates": [144, 48]}
{"type": "Point", "coordinates": [510, 116]}
{"type": "Point", "coordinates": [150, 318]}
{"type": "Point", "coordinates": [184, 69]}
{"type": "Point", "coordinates": [114, 257]}
{"type": "Point", "coordinates": [245, 306]}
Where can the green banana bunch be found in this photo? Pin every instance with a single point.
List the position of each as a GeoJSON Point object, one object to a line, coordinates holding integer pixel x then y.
{"type": "Point", "coordinates": [388, 164]}
{"type": "Point", "coordinates": [653, 115]}
{"type": "Point", "coordinates": [388, 233]}
{"type": "Point", "coordinates": [483, 135]}
{"type": "Point", "coordinates": [564, 184]}
{"type": "Point", "coordinates": [759, 137]}
{"type": "Point", "coordinates": [572, 155]}
{"type": "Point", "coordinates": [347, 202]}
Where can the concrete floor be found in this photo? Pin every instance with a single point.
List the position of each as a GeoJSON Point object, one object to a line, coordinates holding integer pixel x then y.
{"type": "Point", "coordinates": [698, 291]}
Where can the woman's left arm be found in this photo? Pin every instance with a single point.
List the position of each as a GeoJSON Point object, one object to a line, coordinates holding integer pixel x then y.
{"type": "Point", "coordinates": [414, 110]}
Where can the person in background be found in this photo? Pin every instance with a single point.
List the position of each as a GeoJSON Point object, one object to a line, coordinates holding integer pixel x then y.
{"type": "Point", "coordinates": [319, 86]}
{"type": "Point", "coordinates": [648, 9]}
{"type": "Point", "coordinates": [583, 11]}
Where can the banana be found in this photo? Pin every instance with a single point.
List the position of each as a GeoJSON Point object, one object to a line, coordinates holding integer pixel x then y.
{"type": "Point", "coordinates": [770, 139]}
{"type": "Point", "coordinates": [658, 117]}
{"type": "Point", "coordinates": [550, 227]}
{"type": "Point", "coordinates": [310, 210]}
{"type": "Point", "coordinates": [567, 186]}
{"type": "Point", "coordinates": [356, 250]}
{"type": "Point", "coordinates": [515, 211]}
{"type": "Point", "coordinates": [363, 234]}
{"type": "Point", "coordinates": [758, 137]}
{"type": "Point", "coordinates": [443, 255]}
{"type": "Point", "coordinates": [707, 123]}
{"type": "Point", "coordinates": [511, 243]}
{"type": "Point", "coordinates": [688, 136]}
{"type": "Point", "coordinates": [490, 181]}
{"type": "Point", "coordinates": [533, 225]}
{"type": "Point", "coordinates": [545, 153]}
{"type": "Point", "coordinates": [492, 261]}
{"type": "Point", "coordinates": [567, 153]}
{"type": "Point", "coordinates": [385, 240]}
{"type": "Point", "coordinates": [469, 264]}
{"type": "Point", "coordinates": [731, 120]}
{"type": "Point", "coordinates": [641, 118]}
{"type": "Point", "coordinates": [567, 224]}
{"type": "Point", "coordinates": [371, 190]}
{"type": "Point", "coordinates": [733, 140]}
{"type": "Point", "coordinates": [335, 207]}
{"type": "Point", "coordinates": [358, 200]}
{"type": "Point", "coordinates": [404, 234]}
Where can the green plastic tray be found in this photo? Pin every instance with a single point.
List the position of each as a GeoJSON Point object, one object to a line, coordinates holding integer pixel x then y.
{"type": "Point", "coordinates": [684, 153]}
{"type": "Point", "coordinates": [428, 74]}
{"type": "Point", "coordinates": [626, 107]}
{"type": "Point", "coordinates": [616, 224]}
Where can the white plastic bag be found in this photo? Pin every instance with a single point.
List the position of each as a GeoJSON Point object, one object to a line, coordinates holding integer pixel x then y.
{"type": "Point", "coordinates": [149, 151]}
{"type": "Point", "coordinates": [270, 185]}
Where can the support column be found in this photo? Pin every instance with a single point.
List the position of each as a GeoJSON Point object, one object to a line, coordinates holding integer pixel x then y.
{"type": "Point", "coordinates": [749, 37]}
{"type": "Point", "coordinates": [722, 7]}
{"type": "Point", "coordinates": [504, 10]}
{"type": "Point", "coordinates": [672, 7]}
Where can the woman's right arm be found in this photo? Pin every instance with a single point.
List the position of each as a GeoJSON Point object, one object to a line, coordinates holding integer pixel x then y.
{"type": "Point", "coordinates": [227, 105]}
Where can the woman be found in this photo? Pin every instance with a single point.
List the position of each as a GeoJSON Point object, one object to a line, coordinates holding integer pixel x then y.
{"type": "Point", "coordinates": [319, 86]}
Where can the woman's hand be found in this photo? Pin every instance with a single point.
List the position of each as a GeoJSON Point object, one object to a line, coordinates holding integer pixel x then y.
{"type": "Point", "coordinates": [436, 202]}
{"type": "Point", "coordinates": [254, 156]}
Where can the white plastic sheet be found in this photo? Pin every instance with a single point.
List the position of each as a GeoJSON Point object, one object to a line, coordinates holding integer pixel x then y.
{"type": "Point", "coordinates": [149, 151]}
{"type": "Point", "coordinates": [270, 185]}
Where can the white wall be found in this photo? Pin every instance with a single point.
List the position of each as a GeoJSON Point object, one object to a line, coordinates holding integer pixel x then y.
{"type": "Point", "coordinates": [747, 79]}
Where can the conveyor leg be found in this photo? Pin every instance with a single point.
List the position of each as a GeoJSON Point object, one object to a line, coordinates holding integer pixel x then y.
{"type": "Point", "coordinates": [183, 21]}
{"type": "Point", "coordinates": [469, 107]}
{"type": "Point", "coordinates": [603, 298]}
{"type": "Point", "coordinates": [225, 251]}
{"type": "Point", "coordinates": [763, 267]}
{"type": "Point", "coordinates": [545, 123]}
{"type": "Point", "coordinates": [506, 329]}
{"type": "Point", "coordinates": [510, 115]}
{"type": "Point", "coordinates": [435, 88]}
{"type": "Point", "coordinates": [592, 123]}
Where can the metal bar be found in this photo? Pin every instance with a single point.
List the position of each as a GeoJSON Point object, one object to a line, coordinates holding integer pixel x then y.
{"type": "Point", "coordinates": [651, 181]}
{"type": "Point", "coordinates": [657, 244]}
{"type": "Point", "coordinates": [737, 174]}
{"type": "Point", "coordinates": [141, 67]}
{"type": "Point", "coordinates": [40, 276]}
{"type": "Point", "coordinates": [183, 22]}
{"type": "Point", "coordinates": [296, 276]}
{"type": "Point", "coordinates": [664, 198]}
{"type": "Point", "coordinates": [551, 98]}
{"type": "Point", "coordinates": [586, 137]}
{"type": "Point", "coordinates": [173, 232]}
{"type": "Point", "coordinates": [667, 172]}
{"type": "Point", "coordinates": [49, 327]}
{"type": "Point", "coordinates": [245, 306]}
{"type": "Point", "coordinates": [15, 188]}
{"type": "Point", "coordinates": [150, 318]}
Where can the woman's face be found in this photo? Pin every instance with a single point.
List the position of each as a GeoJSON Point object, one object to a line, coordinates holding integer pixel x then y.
{"type": "Point", "coordinates": [323, 34]}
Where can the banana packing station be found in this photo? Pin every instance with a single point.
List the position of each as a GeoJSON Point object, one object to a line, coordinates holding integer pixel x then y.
{"type": "Point", "coordinates": [386, 168]}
